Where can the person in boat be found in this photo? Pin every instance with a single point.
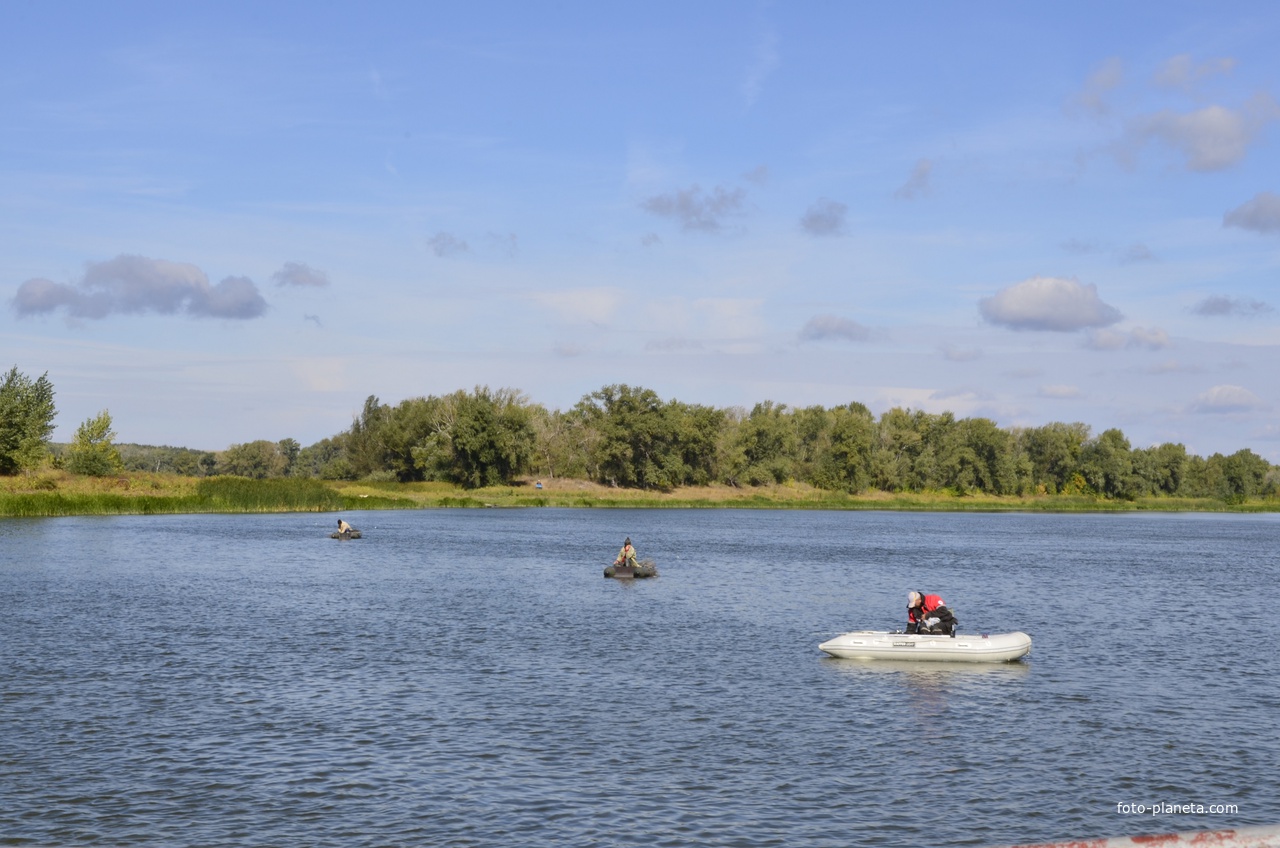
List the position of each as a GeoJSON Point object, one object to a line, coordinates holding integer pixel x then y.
{"type": "Point", "coordinates": [929, 614]}
{"type": "Point", "coordinates": [344, 528]}
{"type": "Point", "coordinates": [626, 556]}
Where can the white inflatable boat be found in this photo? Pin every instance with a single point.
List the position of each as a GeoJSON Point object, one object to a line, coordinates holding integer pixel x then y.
{"type": "Point", "coordinates": [883, 645]}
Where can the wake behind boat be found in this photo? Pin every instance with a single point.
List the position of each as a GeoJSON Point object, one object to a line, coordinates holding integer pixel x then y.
{"type": "Point", "coordinates": [883, 645]}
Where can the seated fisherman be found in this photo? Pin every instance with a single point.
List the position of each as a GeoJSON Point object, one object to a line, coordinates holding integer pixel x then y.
{"type": "Point", "coordinates": [929, 614]}
{"type": "Point", "coordinates": [344, 528]}
{"type": "Point", "coordinates": [626, 556]}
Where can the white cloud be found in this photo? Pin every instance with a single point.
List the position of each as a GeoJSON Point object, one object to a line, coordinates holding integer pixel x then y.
{"type": "Point", "coordinates": [822, 327]}
{"type": "Point", "coordinates": [967, 396]}
{"type": "Point", "coordinates": [696, 210]}
{"type": "Point", "coordinates": [824, 218]}
{"type": "Point", "coordinates": [1220, 305]}
{"type": "Point", "coordinates": [917, 185]}
{"type": "Point", "coordinates": [322, 373]}
{"type": "Point", "coordinates": [1261, 214]}
{"type": "Point", "coordinates": [1212, 138]}
{"type": "Point", "coordinates": [135, 285]}
{"type": "Point", "coordinates": [1152, 338]}
{"type": "Point", "coordinates": [673, 344]}
{"type": "Point", "coordinates": [594, 306]}
{"type": "Point", "coordinates": [960, 354]}
{"type": "Point", "coordinates": [1173, 366]}
{"type": "Point", "coordinates": [1081, 247]}
{"type": "Point", "coordinates": [730, 317]}
{"type": "Point", "coordinates": [1107, 339]}
{"type": "Point", "coordinates": [1268, 433]}
{"type": "Point", "coordinates": [1059, 392]}
{"type": "Point", "coordinates": [758, 175]}
{"type": "Point", "coordinates": [1107, 76]}
{"type": "Point", "coordinates": [505, 245]}
{"type": "Point", "coordinates": [693, 324]}
{"type": "Point", "coordinates": [1048, 303]}
{"type": "Point", "coordinates": [1137, 252]}
{"type": "Point", "coordinates": [1182, 73]}
{"type": "Point", "coordinates": [446, 244]}
{"type": "Point", "coordinates": [300, 274]}
{"type": "Point", "coordinates": [1228, 398]}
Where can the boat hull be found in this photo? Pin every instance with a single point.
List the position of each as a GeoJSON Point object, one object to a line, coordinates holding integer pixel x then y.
{"type": "Point", "coordinates": [883, 645]}
{"type": "Point", "coordinates": [644, 568]}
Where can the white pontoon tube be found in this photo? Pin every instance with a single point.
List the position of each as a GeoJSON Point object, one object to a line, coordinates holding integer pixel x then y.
{"type": "Point", "coordinates": [973, 648]}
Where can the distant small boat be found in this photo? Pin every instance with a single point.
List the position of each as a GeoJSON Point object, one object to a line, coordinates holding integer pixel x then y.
{"type": "Point", "coordinates": [883, 645]}
{"type": "Point", "coordinates": [643, 568]}
{"type": "Point", "coordinates": [345, 534]}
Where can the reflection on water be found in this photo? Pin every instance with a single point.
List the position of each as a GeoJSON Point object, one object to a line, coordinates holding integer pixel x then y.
{"type": "Point", "coordinates": [939, 672]}
{"type": "Point", "coordinates": [470, 678]}
{"type": "Point", "coordinates": [927, 690]}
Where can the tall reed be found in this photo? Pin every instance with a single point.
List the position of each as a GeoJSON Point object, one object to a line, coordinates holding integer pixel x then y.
{"type": "Point", "coordinates": [290, 494]}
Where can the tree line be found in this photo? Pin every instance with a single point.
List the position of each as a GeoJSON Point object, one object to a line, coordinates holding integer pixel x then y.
{"type": "Point", "coordinates": [630, 437]}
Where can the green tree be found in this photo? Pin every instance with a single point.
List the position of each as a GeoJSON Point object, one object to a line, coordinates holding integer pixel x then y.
{"type": "Point", "coordinates": [93, 452]}
{"type": "Point", "coordinates": [813, 440]}
{"type": "Point", "coordinates": [163, 459]}
{"type": "Point", "coordinates": [326, 459]}
{"type": "Point", "coordinates": [414, 423]}
{"type": "Point", "coordinates": [554, 453]}
{"type": "Point", "coordinates": [1107, 466]}
{"type": "Point", "coordinates": [846, 465]}
{"type": "Point", "coordinates": [365, 450]}
{"type": "Point", "coordinates": [731, 455]}
{"type": "Point", "coordinates": [767, 445]}
{"type": "Point", "coordinates": [1161, 470]}
{"type": "Point", "coordinates": [290, 450]}
{"type": "Point", "coordinates": [942, 461]}
{"type": "Point", "coordinates": [26, 421]}
{"type": "Point", "coordinates": [697, 438]}
{"type": "Point", "coordinates": [1271, 483]}
{"type": "Point", "coordinates": [485, 438]}
{"type": "Point", "coordinates": [1203, 479]}
{"type": "Point", "coordinates": [492, 437]}
{"type": "Point", "coordinates": [1244, 473]}
{"type": "Point", "coordinates": [259, 459]}
{"type": "Point", "coordinates": [635, 436]}
{"type": "Point", "coordinates": [976, 454]}
{"type": "Point", "coordinates": [1054, 452]}
{"type": "Point", "coordinates": [898, 445]}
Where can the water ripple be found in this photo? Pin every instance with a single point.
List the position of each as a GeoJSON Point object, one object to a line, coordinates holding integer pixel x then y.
{"type": "Point", "coordinates": [161, 686]}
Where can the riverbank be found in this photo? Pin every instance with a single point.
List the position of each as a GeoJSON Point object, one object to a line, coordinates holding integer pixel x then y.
{"type": "Point", "coordinates": [59, 493]}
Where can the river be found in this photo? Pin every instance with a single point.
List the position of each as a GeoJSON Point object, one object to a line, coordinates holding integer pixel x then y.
{"type": "Point", "coordinates": [469, 678]}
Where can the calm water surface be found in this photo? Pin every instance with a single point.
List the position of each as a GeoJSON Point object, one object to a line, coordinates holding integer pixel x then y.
{"type": "Point", "coordinates": [469, 678]}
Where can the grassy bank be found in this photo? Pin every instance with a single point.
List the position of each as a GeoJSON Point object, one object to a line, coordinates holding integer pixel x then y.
{"type": "Point", "coordinates": [148, 494]}
{"type": "Point", "coordinates": [59, 493]}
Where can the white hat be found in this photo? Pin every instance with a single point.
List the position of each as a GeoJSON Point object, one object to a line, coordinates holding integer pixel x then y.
{"type": "Point", "coordinates": [913, 599]}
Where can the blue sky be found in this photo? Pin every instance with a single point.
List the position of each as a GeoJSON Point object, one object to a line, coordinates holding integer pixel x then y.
{"type": "Point", "coordinates": [236, 223]}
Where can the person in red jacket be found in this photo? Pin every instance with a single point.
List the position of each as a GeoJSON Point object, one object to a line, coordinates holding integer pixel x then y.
{"type": "Point", "coordinates": [929, 614]}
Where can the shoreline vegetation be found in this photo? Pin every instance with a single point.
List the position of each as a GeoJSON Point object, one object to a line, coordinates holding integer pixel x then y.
{"type": "Point", "coordinates": [621, 446]}
{"type": "Point", "coordinates": [60, 493]}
